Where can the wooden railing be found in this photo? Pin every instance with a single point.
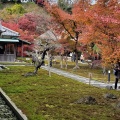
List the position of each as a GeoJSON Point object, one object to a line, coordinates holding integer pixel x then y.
{"type": "Point", "coordinates": [8, 57]}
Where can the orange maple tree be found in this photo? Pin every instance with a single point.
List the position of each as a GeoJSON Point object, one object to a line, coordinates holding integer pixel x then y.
{"type": "Point", "coordinates": [104, 29]}
{"type": "Point", "coordinates": [73, 24]}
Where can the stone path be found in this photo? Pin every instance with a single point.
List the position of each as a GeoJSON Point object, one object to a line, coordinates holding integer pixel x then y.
{"type": "Point", "coordinates": [81, 79]}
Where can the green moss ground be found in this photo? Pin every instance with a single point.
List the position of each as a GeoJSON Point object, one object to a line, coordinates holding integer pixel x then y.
{"type": "Point", "coordinates": [52, 98]}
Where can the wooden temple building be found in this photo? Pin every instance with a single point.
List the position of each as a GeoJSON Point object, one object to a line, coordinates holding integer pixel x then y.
{"type": "Point", "coordinates": [9, 43]}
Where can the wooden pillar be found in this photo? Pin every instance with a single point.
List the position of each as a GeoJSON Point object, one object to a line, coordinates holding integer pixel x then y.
{"type": "Point", "coordinates": [22, 49]}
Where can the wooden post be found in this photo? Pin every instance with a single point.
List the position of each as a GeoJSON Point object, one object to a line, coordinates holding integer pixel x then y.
{"type": "Point", "coordinates": [90, 77]}
{"type": "Point", "coordinates": [61, 62]}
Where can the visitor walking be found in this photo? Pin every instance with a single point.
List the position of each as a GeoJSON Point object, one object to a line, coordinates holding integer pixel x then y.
{"type": "Point", "coordinates": [117, 74]}
{"type": "Point", "coordinates": [73, 57]}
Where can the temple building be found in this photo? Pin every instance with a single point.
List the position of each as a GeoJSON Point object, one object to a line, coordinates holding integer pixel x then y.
{"type": "Point", "coordinates": [9, 43]}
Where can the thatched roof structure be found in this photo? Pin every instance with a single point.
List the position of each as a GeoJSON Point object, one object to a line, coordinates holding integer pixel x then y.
{"type": "Point", "coordinates": [48, 35]}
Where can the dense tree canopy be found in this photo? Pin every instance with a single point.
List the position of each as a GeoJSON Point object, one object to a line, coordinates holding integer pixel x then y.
{"type": "Point", "coordinates": [96, 24]}
{"type": "Point", "coordinates": [66, 5]}
{"type": "Point", "coordinates": [74, 24]}
{"type": "Point", "coordinates": [90, 28]}
{"type": "Point", "coordinates": [12, 13]}
{"type": "Point", "coordinates": [105, 17]}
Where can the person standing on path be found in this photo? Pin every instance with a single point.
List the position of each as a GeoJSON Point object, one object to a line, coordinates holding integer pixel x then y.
{"type": "Point", "coordinates": [117, 74]}
{"type": "Point", "coordinates": [82, 58]}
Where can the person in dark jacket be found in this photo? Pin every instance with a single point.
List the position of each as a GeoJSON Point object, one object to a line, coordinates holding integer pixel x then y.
{"type": "Point", "coordinates": [117, 75]}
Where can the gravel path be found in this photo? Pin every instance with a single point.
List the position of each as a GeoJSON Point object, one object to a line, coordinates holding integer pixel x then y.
{"type": "Point", "coordinates": [5, 111]}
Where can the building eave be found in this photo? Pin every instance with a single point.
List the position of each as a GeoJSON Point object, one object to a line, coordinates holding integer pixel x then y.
{"type": "Point", "coordinates": [24, 42]}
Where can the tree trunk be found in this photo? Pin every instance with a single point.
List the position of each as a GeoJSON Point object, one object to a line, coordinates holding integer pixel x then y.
{"type": "Point", "coordinates": [76, 61]}
{"type": "Point", "coordinates": [48, 55]}
{"type": "Point", "coordinates": [76, 54]}
{"type": "Point", "coordinates": [41, 62]}
{"type": "Point", "coordinates": [66, 61]}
